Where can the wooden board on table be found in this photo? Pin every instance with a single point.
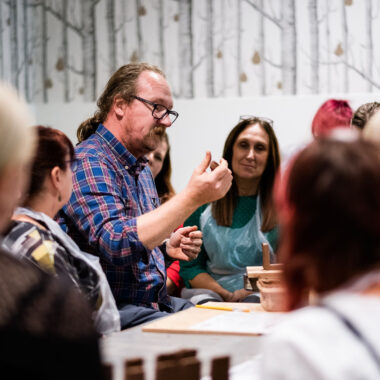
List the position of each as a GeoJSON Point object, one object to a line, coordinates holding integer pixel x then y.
{"type": "Point", "coordinates": [209, 321]}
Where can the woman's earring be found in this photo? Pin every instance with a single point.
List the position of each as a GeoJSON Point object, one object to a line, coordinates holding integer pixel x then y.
{"type": "Point", "coordinates": [59, 198]}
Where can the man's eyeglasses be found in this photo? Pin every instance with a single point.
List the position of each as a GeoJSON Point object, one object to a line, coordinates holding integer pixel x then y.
{"type": "Point", "coordinates": [73, 164]}
{"type": "Point", "coordinates": [159, 111]}
{"type": "Point", "coordinates": [256, 118]}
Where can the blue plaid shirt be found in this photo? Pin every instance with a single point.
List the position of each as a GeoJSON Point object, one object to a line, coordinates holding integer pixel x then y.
{"type": "Point", "coordinates": [110, 190]}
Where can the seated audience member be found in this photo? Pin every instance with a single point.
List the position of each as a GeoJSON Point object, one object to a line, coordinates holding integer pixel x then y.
{"type": "Point", "coordinates": [371, 129]}
{"type": "Point", "coordinates": [35, 236]}
{"type": "Point", "coordinates": [235, 226]}
{"type": "Point", "coordinates": [363, 114]}
{"type": "Point", "coordinates": [332, 114]}
{"type": "Point", "coordinates": [46, 330]}
{"type": "Point", "coordinates": [113, 212]}
{"type": "Point", "coordinates": [329, 214]}
{"type": "Point", "coordinates": [161, 168]}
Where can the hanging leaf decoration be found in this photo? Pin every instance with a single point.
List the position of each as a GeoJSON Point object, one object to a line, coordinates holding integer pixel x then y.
{"type": "Point", "coordinates": [134, 57]}
{"type": "Point", "coordinates": [279, 85]}
{"type": "Point", "coordinates": [339, 50]}
{"type": "Point", "coordinates": [142, 11]}
{"type": "Point", "coordinates": [60, 65]}
{"type": "Point", "coordinates": [48, 83]}
{"type": "Point", "coordinates": [219, 54]}
{"type": "Point", "coordinates": [176, 17]}
{"type": "Point", "coordinates": [348, 2]}
{"type": "Point", "coordinates": [256, 59]}
{"type": "Point", "coordinates": [243, 77]}
{"type": "Point", "coordinates": [81, 90]}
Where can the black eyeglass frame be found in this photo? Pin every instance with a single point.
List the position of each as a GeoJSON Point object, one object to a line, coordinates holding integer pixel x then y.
{"type": "Point", "coordinates": [73, 164]}
{"type": "Point", "coordinates": [155, 105]}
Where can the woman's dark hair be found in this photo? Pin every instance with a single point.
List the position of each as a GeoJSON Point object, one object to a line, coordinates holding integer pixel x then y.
{"type": "Point", "coordinates": [122, 83]}
{"type": "Point", "coordinates": [223, 209]}
{"type": "Point", "coordinates": [52, 149]}
{"type": "Point", "coordinates": [329, 209]}
{"type": "Point", "coordinates": [164, 186]}
{"type": "Point", "coordinates": [363, 114]}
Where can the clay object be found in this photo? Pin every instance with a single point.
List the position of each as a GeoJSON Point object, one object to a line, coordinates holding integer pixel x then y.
{"type": "Point", "coordinates": [272, 293]}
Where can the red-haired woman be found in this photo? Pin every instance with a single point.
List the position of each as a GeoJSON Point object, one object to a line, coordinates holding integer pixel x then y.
{"type": "Point", "coordinates": [329, 213]}
{"type": "Point", "coordinates": [332, 114]}
{"type": "Point", "coordinates": [37, 238]}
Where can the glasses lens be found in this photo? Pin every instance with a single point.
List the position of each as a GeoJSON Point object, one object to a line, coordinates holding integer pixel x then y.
{"type": "Point", "coordinates": [74, 165]}
{"type": "Point", "coordinates": [159, 114]}
{"type": "Point", "coordinates": [251, 117]}
{"type": "Point", "coordinates": [246, 117]}
{"type": "Point", "coordinates": [159, 111]}
{"type": "Point", "coordinates": [173, 116]}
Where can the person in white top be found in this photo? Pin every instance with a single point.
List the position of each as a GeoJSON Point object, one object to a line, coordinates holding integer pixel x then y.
{"type": "Point", "coordinates": [329, 211]}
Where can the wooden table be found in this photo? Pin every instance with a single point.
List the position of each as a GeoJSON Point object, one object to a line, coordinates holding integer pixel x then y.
{"type": "Point", "coordinates": [133, 343]}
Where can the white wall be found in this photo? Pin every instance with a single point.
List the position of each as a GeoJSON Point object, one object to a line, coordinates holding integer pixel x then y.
{"type": "Point", "coordinates": [203, 124]}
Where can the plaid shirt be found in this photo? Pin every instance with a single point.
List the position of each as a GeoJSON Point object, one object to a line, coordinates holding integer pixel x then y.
{"type": "Point", "coordinates": [110, 190]}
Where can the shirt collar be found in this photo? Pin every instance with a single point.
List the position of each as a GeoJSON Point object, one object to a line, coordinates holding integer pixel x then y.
{"type": "Point", "coordinates": [134, 166]}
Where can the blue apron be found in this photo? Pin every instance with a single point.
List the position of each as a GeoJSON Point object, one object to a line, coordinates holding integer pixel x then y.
{"type": "Point", "coordinates": [231, 250]}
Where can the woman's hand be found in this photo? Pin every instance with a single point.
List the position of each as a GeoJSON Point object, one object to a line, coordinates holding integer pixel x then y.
{"type": "Point", "coordinates": [239, 295]}
{"type": "Point", "coordinates": [185, 243]}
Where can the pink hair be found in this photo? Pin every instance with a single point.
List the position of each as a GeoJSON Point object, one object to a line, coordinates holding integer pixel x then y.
{"type": "Point", "coordinates": [331, 114]}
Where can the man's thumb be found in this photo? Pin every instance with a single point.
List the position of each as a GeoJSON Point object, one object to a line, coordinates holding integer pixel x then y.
{"type": "Point", "coordinates": [202, 167]}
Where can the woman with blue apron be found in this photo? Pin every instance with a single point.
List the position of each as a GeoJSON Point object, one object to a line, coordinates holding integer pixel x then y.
{"type": "Point", "coordinates": [235, 227]}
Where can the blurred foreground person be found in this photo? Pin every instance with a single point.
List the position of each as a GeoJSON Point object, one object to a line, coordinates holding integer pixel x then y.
{"type": "Point", "coordinates": [329, 213]}
{"type": "Point", "coordinates": [46, 330]}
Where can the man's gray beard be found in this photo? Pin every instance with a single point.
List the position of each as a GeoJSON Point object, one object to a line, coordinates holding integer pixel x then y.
{"type": "Point", "coordinates": [159, 130]}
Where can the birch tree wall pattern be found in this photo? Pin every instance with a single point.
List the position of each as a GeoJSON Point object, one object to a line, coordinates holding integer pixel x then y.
{"type": "Point", "coordinates": [65, 50]}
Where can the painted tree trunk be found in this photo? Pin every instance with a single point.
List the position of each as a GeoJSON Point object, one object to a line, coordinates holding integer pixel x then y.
{"type": "Point", "coordinates": [186, 64]}
{"type": "Point", "coordinates": [14, 42]}
{"type": "Point", "coordinates": [124, 32]}
{"type": "Point", "coordinates": [345, 47]}
{"type": "Point", "coordinates": [328, 47]}
{"type": "Point", "coordinates": [314, 46]}
{"type": "Point", "coordinates": [261, 49]}
{"type": "Point", "coordinates": [223, 49]}
{"type": "Point", "coordinates": [89, 50]}
{"type": "Point", "coordinates": [238, 47]}
{"type": "Point", "coordinates": [161, 33]}
{"type": "Point", "coordinates": [140, 42]}
{"type": "Point", "coordinates": [369, 48]}
{"type": "Point", "coordinates": [44, 59]}
{"type": "Point", "coordinates": [65, 53]}
{"type": "Point", "coordinates": [210, 49]}
{"type": "Point", "coordinates": [26, 50]}
{"type": "Point", "coordinates": [289, 47]}
{"type": "Point", "coordinates": [110, 15]}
